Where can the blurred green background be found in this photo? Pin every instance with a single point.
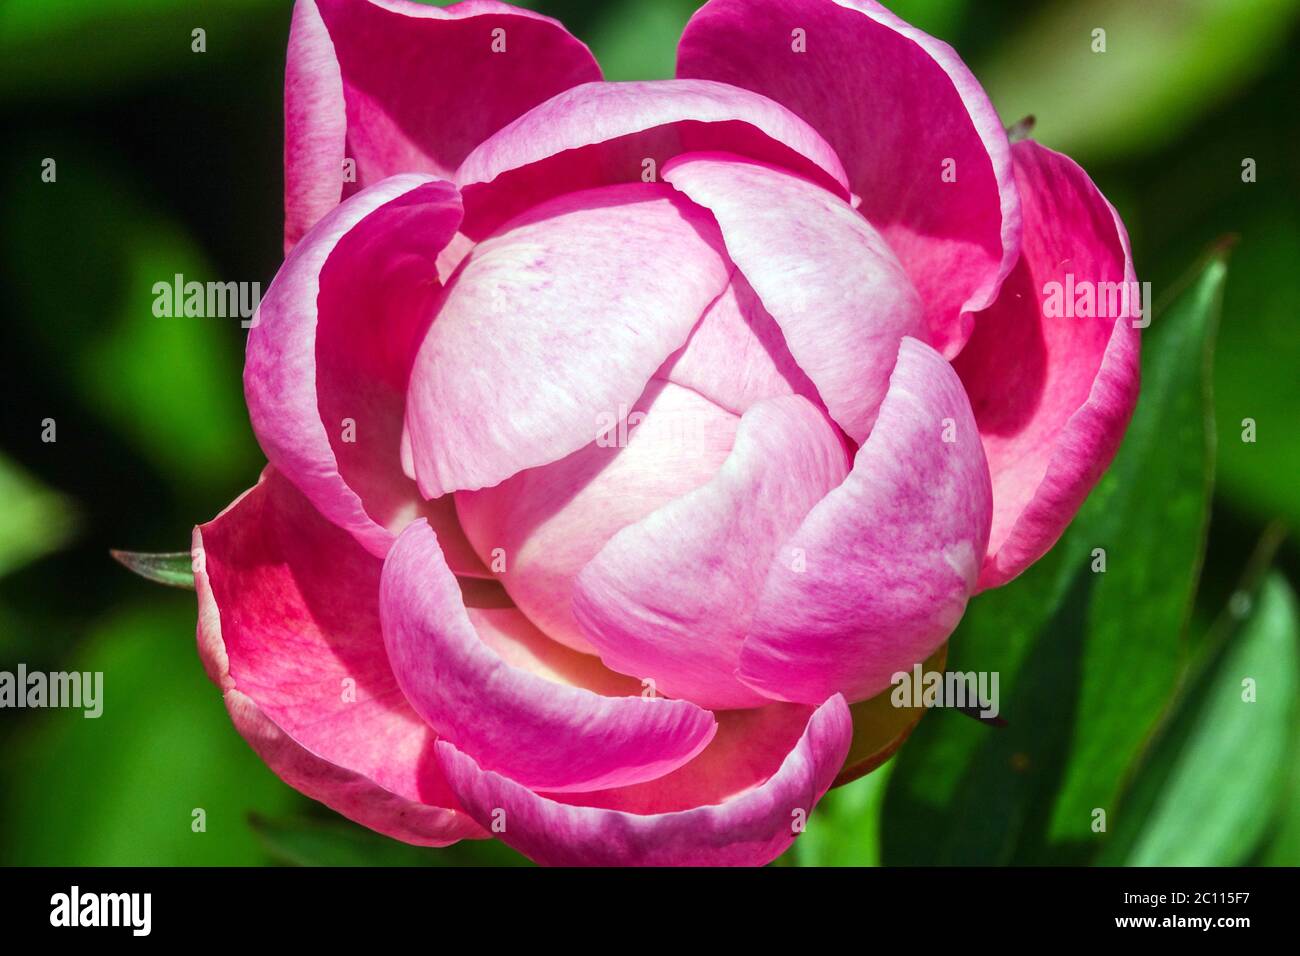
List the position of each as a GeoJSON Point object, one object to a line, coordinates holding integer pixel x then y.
{"type": "Point", "coordinates": [1123, 690]}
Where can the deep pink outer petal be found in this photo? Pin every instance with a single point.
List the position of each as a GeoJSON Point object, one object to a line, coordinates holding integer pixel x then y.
{"type": "Point", "coordinates": [670, 597]}
{"type": "Point", "coordinates": [1052, 395]}
{"type": "Point", "coordinates": [404, 87]}
{"type": "Point", "coordinates": [897, 105]}
{"type": "Point", "coordinates": [603, 133]}
{"type": "Point", "coordinates": [330, 353]}
{"type": "Point", "coordinates": [831, 283]}
{"type": "Point", "coordinates": [553, 324]}
{"type": "Point", "coordinates": [750, 829]}
{"type": "Point", "coordinates": [543, 734]}
{"type": "Point", "coordinates": [289, 630]}
{"type": "Point", "coordinates": [879, 573]}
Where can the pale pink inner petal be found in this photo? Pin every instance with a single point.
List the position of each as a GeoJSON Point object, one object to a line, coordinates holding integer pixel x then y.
{"type": "Point", "coordinates": [603, 133]}
{"type": "Point", "coordinates": [736, 355]}
{"type": "Point", "coordinates": [879, 573]}
{"type": "Point", "coordinates": [670, 597]}
{"type": "Point", "coordinates": [838, 294]}
{"type": "Point", "coordinates": [562, 317]}
{"type": "Point", "coordinates": [518, 642]}
{"type": "Point", "coordinates": [538, 529]}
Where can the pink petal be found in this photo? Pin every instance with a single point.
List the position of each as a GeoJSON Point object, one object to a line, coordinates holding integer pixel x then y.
{"type": "Point", "coordinates": [330, 353]}
{"type": "Point", "coordinates": [670, 597]}
{"type": "Point", "coordinates": [748, 748]}
{"type": "Point", "coordinates": [736, 355]}
{"type": "Point", "coordinates": [289, 630]}
{"type": "Point", "coordinates": [749, 829]}
{"type": "Point", "coordinates": [895, 104]}
{"type": "Point", "coordinates": [543, 734]}
{"type": "Point", "coordinates": [1052, 395]}
{"type": "Point", "coordinates": [604, 133]}
{"type": "Point", "coordinates": [832, 284]}
{"type": "Point", "coordinates": [541, 527]}
{"type": "Point", "coordinates": [878, 574]}
{"type": "Point", "coordinates": [518, 642]}
{"type": "Point", "coordinates": [559, 319]}
{"type": "Point", "coordinates": [401, 87]}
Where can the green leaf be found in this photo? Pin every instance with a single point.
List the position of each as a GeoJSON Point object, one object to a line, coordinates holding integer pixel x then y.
{"type": "Point", "coordinates": [34, 520]}
{"type": "Point", "coordinates": [1207, 793]}
{"type": "Point", "coordinates": [1255, 371]}
{"type": "Point", "coordinates": [173, 568]}
{"type": "Point", "coordinates": [1087, 662]}
{"type": "Point", "coordinates": [1164, 65]}
{"type": "Point", "coordinates": [122, 789]}
{"type": "Point", "coordinates": [844, 829]}
{"type": "Point", "coordinates": [303, 841]}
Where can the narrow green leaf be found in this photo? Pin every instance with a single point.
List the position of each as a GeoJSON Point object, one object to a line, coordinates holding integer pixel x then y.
{"type": "Point", "coordinates": [173, 568]}
{"type": "Point", "coordinates": [1087, 662]}
{"type": "Point", "coordinates": [1206, 795]}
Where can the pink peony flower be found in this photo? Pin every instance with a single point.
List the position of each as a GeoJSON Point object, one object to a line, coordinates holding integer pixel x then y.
{"type": "Point", "coordinates": [626, 438]}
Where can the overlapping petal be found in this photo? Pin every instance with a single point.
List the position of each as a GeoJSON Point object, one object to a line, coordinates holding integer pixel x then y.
{"type": "Point", "coordinates": [736, 354]}
{"type": "Point", "coordinates": [538, 529]}
{"type": "Point", "coordinates": [542, 734]}
{"type": "Point", "coordinates": [831, 283]}
{"type": "Point", "coordinates": [330, 353]}
{"type": "Point", "coordinates": [670, 597]}
{"type": "Point", "coordinates": [1053, 393]}
{"type": "Point", "coordinates": [396, 86]}
{"type": "Point", "coordinates": [557, 320]}
{"type": "Point", "coordinates": [748, 829]}
{"type": "Point", "coordinates": [604, 133]}
{"type": "Point", "coordinates": [289, 630]}
{"type": "Point", "coordinates": [925, 152]}
{"type": "Point", "coordinates": [879, 573]}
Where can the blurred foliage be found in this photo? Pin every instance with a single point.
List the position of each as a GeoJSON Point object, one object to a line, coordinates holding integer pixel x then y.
{"type": "Point", "coordinates": [1134, 86]}
{"type": "Point", "coordinates": [169, 161]}
{"type": "Point", "coordinates": [56, 48]}
{"type": "Point", "coordinates": [122, 788]}
{"type": "Point", "coordinates": [162, 382]}
{"type": "Point", "coordinates": [34, 520]}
